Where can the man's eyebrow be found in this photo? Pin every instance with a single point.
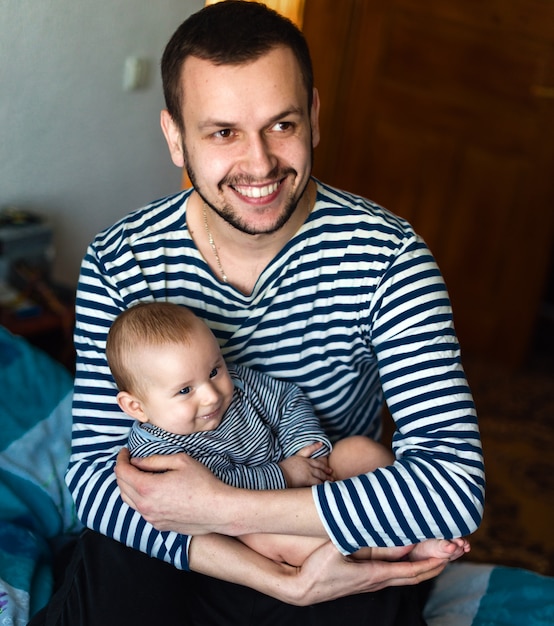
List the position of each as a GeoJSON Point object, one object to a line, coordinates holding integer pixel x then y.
{"type": "Point", "coordinates": [287, 113]}
{"type": "Point", "coordinates": [209, 123]}
{"type": "Point", "coordinates": [215, 123]}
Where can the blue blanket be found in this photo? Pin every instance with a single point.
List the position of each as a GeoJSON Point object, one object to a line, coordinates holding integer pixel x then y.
{"type": "Point", "coordinates": [36, 509]}
{"type": "Point", "coordinates": [470, 594]}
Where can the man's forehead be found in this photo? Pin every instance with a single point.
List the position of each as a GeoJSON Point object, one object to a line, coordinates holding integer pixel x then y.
{"type": "Point", "coordinates": [273, 81]}
{"type": "Point", "coordinates": [281, 59]}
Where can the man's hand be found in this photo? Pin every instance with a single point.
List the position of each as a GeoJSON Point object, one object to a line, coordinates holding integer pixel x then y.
{"type": "Point", "coordinates": [327, 575]}
{"type": "Point", "coordinates": [300, 470]}
{"type": "Point", "coordinates": [172, 492]}
{"type": "Point", "coordinates": [175, 492]}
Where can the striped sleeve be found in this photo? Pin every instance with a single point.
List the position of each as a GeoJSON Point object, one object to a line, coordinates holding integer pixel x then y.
{"type": "Point", "coordinates": [100, 430]}
{"type": "Point", "coordinates": [436, 486]}
{"type": "Point", "coordinates": [286, 411]}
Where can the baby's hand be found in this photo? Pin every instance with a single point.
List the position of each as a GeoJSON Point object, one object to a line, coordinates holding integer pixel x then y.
{"type": "Point", "coordinates": [301, 470]}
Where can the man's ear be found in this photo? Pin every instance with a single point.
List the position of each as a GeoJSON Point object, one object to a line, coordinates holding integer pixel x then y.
{"type": "Point", "coordinates": [131, 405]}
{"type": "Point", "coordinates": [314, 118]}
{"type": "Point", "coordinates": [174, 139]}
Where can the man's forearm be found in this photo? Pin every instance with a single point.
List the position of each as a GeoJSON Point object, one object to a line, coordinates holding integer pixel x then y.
{"type": "Point", "coordinates": [287, 511]}
{"type": "Point", "coordinates": [180, 494]}
{"type": "Point", "coordinates": [228, 559]}
{"type": "Point", "coordinates": [325, 575]}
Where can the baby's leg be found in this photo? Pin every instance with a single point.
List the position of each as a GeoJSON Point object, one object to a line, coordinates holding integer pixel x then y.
{"type": "Point", "coordinates": [358, 455]}
{"type": "Point", "coordinates": [350, 457]}
{"type": "Point", "coordinates": [291, 549]}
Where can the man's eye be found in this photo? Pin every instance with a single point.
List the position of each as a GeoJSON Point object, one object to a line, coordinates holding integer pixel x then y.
{"type": "Point", "coordinates": [213, 373]}
{"type": "Point", "coordinates": [225, 133]}
{"type": "Point", "coordinates": [184, 391]}
{"type": "Point", "coordinates": [283, 127]}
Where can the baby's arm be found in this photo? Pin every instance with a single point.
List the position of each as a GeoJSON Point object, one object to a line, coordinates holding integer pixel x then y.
{"type": "Point", "coordinates": [301, 470]}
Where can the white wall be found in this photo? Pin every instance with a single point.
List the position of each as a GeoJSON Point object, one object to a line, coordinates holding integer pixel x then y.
{"type": "Point", "coordinates": [74, 145]}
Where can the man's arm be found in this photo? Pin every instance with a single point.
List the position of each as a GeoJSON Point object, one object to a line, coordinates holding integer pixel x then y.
{"type": "Point", "coordinates": [100, 428]}
{"type": "Point", "coordinates": [325, 575]}
{"type": "Point", "coordinates": [180, 494]}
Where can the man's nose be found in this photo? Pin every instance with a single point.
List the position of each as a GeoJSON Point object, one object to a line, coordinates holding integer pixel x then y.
{"type": "Point", "coordinates": [258, 158]}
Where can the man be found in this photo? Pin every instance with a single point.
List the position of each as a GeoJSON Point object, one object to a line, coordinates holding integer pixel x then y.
{"type": "Point", "coordinates": [305, 283]}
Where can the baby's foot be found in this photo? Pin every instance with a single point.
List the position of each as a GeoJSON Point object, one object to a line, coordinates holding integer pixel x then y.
{"type": "Point", "coordinates": [450, 549]}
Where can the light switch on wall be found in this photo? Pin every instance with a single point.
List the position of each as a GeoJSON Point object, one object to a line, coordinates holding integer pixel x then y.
{"type": "Point", "coordinates": [136, 73]}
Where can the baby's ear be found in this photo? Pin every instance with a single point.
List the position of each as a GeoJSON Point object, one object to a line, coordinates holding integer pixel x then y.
{"type": "Point", "coordinates": [131, 405]}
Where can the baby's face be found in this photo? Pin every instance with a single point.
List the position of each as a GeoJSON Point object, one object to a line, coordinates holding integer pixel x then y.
{"type": "Point", "coordinates": [188, 387]}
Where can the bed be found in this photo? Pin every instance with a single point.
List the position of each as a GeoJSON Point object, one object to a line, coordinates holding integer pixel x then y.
{"type": "Point", "coordinates": [37, 516]}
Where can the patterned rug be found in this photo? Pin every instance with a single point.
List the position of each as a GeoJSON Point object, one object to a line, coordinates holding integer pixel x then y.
{"type": "Point", "coordinates": [516, 418]}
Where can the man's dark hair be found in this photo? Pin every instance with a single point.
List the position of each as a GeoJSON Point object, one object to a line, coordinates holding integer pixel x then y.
{"type": "Point", "coordinates": [230, 33]}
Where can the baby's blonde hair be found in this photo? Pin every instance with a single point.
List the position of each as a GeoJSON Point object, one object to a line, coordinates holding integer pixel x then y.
{"type": "Point", "coordinates": [145, 324]}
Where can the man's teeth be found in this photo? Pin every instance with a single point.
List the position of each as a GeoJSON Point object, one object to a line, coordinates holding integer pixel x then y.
{"type": "Point", "coordinates": [258, 192]}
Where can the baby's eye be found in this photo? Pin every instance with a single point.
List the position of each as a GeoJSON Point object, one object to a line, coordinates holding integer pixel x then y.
{"type": "Point", "coordinates": [184, 391]}
{"type": "Point", "coordinates": [213, 373]}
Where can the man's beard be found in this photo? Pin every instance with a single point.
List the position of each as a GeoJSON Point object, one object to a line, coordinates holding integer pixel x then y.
{"type": "Point", "coordinates": [228, 213]}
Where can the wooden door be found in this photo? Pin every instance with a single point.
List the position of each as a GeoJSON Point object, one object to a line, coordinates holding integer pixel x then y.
{"type": "Point", "coordinates": [443, 111]}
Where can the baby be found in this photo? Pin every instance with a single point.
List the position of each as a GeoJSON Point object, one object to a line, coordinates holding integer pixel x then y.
{"type": "Point", "coordinates": [251, 430]}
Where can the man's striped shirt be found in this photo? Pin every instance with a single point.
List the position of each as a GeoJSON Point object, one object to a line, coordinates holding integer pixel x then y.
{"type": "Point", "coordinates": [353, 310]}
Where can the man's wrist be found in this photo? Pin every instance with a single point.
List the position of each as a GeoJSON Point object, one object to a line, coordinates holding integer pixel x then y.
{"type": "Point", "coordinates": [225, 505]}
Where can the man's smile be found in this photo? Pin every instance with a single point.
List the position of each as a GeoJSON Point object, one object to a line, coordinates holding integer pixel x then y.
{"type": "Point", "coordinates": [256, 192]}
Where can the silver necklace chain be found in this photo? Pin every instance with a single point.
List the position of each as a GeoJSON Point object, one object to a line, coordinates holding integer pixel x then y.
{"type": "Point", "coordinates": [212, 245]}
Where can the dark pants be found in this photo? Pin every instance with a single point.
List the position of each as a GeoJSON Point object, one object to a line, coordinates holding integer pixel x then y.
{"type": "Point", "coordinates": [107, 583]}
